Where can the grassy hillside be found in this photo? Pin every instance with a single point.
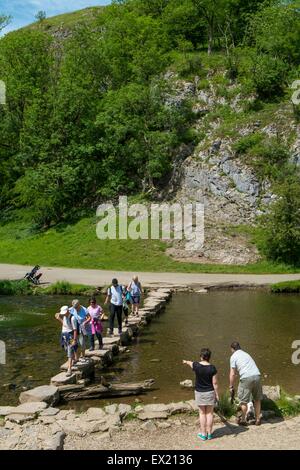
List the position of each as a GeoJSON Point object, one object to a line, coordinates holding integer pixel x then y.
{"type": "Point", "coordinates": [96, 114]}
{"type": "Point", "coordinates": [77, 246]}
{"type": "Point", "coordinates": [67, 21]}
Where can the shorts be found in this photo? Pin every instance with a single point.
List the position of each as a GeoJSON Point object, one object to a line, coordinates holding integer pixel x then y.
{"type": "Point", "coordinates": [250, 389]}
{"type": "Point", "coordinates": [205, 398]}
{"type": "Point", "coordinates": [136, 299]}
{"type": "Point", "coordinates": [67, 344]}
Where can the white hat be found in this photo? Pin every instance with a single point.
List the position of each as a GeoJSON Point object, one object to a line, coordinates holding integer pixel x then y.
{"type": "Point", "coordinates": [64, 310]}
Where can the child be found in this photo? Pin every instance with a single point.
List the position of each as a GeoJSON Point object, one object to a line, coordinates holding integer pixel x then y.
{"type": "Point", "coordinates": [68, 335]}
{"type": "Point", "coordinates": [95, 315]}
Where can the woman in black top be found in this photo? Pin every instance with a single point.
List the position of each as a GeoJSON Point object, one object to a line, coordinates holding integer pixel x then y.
{"type": "Point", "coordinates": [206, 392]}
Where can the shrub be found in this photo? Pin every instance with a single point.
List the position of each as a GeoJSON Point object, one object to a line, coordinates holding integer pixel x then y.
{"type": "Point", "coordinates": [246, 143]}
{"type": "Point", "coordinates": [65, 288]}
{"type": "Point", "coordinates": [268, 76]}
{"type": "Point", "coordinates": [281, 230]}
{"type": "Point", "coordinates": [15, 287]}
{"type": "Point", "coordinates": [225, 407]}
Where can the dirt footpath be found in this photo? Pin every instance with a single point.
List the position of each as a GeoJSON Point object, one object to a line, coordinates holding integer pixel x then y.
{"type": "Point", "coordinates": [97, 278]}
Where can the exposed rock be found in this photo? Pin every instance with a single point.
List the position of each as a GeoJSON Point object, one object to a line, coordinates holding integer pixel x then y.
{"type": "Point", "coordinates": [30, 408]}
{"type": "Point", "coordinates": [46, 393]}
{"type": "Point", "coordinates": [50, 412]}
{"type": "Point", "coordinates": [19, 418]}
{"type": "Point", "coordinates": [193, 405]}
{"type": "Point", "coordinates": [6, 410]}
{"type": "Point", "coordinates": [156, 408]}
{"type": "Point", "coordinates": [180, 407]}
{"type": "Point", "coordinates": [187, 384]}
{"type": "Point", "coordinates": [113, 421]}
{"type": "Point", "coordinates": [149, 426]}
{"type": "Point", "coordinates": [55, 442]}
{"type": "Point", "coordinates": [111, 409]}
{"type": "Point", "coordinates": [146, 415]}
{"type": "Point", "coordinates": [95, 414]}
{"type": "Point", "coordinates": [124, 410]}
{"type": "Point", "coordinates": [272, 393]}
{"type": "Point", "coordinates": [164, 425]}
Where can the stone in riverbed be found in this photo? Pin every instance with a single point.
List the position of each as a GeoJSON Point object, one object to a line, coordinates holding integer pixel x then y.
{"type": "Point", "coordinates": [187, 384]}
{"type": "Point", "coordinates": [46, 393]}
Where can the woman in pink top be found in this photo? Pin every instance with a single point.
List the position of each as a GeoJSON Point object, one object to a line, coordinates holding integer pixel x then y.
{"type": "Point", "coordinates": [95, 315]}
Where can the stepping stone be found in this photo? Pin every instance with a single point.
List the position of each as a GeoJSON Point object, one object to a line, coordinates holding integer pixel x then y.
{"type": "Point", "coordinates": [114, 348]}
{"type": "Point", "coordinates": [110, 341]}
{"type": "Point", "coordinates": [104, 355]}
{"type": "Point", "coordinates": [46, 393]}
{"type": "Point", "coordinates": [62, 379]}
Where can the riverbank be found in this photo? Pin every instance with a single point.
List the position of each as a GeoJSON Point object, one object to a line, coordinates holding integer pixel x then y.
{"type": "Point", "coordinates": [114, 428]}
{"type": "Point", "coordinates": [94, 277]}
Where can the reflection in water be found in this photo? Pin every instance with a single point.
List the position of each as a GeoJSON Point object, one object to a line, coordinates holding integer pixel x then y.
{"type": "Point", "coordinates": [265, 324]}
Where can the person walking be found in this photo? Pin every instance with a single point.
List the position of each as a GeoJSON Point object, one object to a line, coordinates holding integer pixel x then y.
{"type": "Point", "coordinates": [95, 315]}
{"type": "Point", "coordinates": [115, 300]}
{"type": "Point", "coordinates": [206, 392]}
{"type": "Point", "coordinates": [83, 328]}
{"type": "Point", "coordinates": [68, 335]}
{"type": "Point", "coordinates": [135, 290]}
{"type": "Point", "coordinates": [250, 387]}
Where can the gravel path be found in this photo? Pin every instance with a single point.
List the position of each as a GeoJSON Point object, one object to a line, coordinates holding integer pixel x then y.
{"type": "Point", "coordinates": [102, 278]}
{"type": "Point", "coordinates": [182, 435]}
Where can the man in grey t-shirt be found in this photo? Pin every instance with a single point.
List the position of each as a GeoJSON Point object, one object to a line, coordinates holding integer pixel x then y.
{"type": "Point", "coordinates": [250, 387]}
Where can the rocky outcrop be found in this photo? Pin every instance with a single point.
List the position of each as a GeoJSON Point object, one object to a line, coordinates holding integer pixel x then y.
{"type": "Point", "coordinates": [214, 175]}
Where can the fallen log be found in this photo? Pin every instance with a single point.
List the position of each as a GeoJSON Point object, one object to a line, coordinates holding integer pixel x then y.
{"type": "Point", "coordinates": [111, 390]}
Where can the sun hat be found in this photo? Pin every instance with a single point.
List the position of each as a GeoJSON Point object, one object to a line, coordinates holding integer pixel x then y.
{"type": "Point", "coordinates": [64, 310]}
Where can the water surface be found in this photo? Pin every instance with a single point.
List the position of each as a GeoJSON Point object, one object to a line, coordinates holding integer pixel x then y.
{"type": "Point", "coordinates": [265, 324]}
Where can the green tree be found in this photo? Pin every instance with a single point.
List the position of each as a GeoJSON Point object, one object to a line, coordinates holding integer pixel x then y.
{"type": "Point", "coordinates": [281, 223]}
{"type": "Point", "coordinates": [4, 21]}
{"type": "Point", "coordinates": [40, 16]}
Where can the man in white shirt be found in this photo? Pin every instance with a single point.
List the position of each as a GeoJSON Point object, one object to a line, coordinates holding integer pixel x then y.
{"type": "Point", "coordinates": [115, 298]}
{"type": "Point", "coordinates": [250, 387]}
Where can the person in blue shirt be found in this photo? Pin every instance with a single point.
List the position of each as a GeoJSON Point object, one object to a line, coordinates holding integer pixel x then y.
{"type": "Point", "coordinates": [81, 316]}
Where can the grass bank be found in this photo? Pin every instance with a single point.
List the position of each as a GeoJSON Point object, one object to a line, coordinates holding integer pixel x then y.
{"type": "Point", "coordinates": [23, 287]}
{"type": "Point", "coordinates": [77, 246]}
{"type": "Point", "coordinates": [288, 287]}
